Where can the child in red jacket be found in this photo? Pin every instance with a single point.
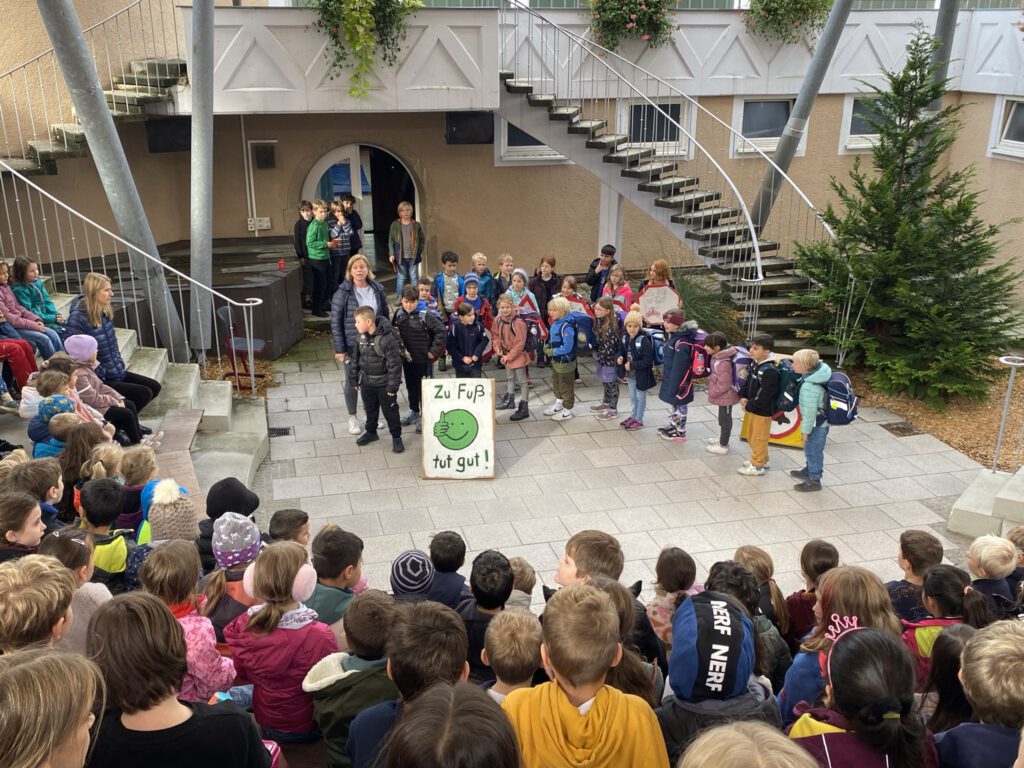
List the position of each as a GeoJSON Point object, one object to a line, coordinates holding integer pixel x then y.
{"type": "Point", "coordinates": [275, 643]}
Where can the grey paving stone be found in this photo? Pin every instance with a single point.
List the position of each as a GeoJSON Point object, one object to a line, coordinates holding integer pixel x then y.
{"type": "Point", "coordinates": [296, 487]}
{"type": "Point", "coordinates": [328, 465]}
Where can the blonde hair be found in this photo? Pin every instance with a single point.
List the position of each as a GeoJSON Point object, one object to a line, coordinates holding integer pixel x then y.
{"type": "Point", "coordinates": [745, 745]}
{"type": "Point", "coordinates": [505, 258]}
{"type": "Point", "coordinates": [478, 258]}
{"type": "Point", "coordinates": [94, 283]}
{"type": "Point", "coordinates": [35, 593]}
{"type": "Point", "coordinates": [359, 257]}
{"type": "Point", "coordinates": [633, 318]}
{"type": "Point", "coordinates": [617, 270]}
{"type": "Point", "coordinates": [335, 205]}
{"type": "Point", "coordinates": [319, 205]}
{"type": "Point", "coordinates": [273, 578]}
{"type": "Point", "coordinates": [512, 642]}
{"type": "Point", "coordinates": [138, 465]}
{"type": "Point", "coordinates": [807, 358]}
{"type": "Point", "coordinates": [992, 666]}
{"type": "Point", "coordinates": [759, 563]}
{"type": "Point", "coordinates": [62, 424]}
{"type": "Point", "coordinates": [45, 697]}
{"type": "Point", "coordinates": [405, 205]}
{"type": "Point", "coordinates": [524, 578]}
{"type": "Point", "coordinates": [850, 590]}
{"type": "Point", "coordinates": [105, 461]}
{"type": "Point", "coordinates": [1016, 535]}
{"type": "Point", "coordinates": [171, 572]}
{"type": "Point", "coordinates": [996, 555]}
{"type": "Point", "coordinates": [559, 304]}
{"type": "Point", "coordinates": [505, 299]}
{"type": "Point", "coordinates": [581, 633]}
{"type": "Point", "coordinates": [9, 462]}
{"type": "Point", "coordinates": [51, 382]}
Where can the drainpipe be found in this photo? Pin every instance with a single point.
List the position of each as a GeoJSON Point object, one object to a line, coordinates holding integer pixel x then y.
{"type": "Point", "coordinates": [945, 29]}
{"type": "Point", "coordinates": [772, 183]}
{"type": "Point", "coordinates": [201, 235]}
{"type": "Point", "coordinates": [79, 70]}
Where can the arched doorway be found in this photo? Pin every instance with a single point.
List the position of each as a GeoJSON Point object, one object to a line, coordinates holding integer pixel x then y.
{"type": "Point", "coordinates": [382, 183]}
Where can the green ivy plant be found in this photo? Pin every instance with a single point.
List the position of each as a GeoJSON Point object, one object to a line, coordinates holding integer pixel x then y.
{"type": "Point", "coordinates": [361, 31]}
{"type": "Point", "coordinates": [648, 20]}
{"type": "Point", "coordinates": [786, 21]}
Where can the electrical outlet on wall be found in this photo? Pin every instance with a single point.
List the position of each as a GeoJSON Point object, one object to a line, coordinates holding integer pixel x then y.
{"type": "Point", "coordinates": [250, 224]}
{"type": "Point", "coordinates": [263, 222]}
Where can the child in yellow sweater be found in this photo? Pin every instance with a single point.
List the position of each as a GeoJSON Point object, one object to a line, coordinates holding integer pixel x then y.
{"type": "Point", "coordinates": [576, 719]}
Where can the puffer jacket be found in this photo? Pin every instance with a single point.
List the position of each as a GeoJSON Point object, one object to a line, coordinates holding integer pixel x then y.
{"type": "Point", "coordinates": [34, 298]}
{"type": "Point", "coordinates": [422, 334]}
{"type": "Point", "coordinates": [812, 398]}
{"type": "Point", "coordinates": [720, 379]}
{"type": "Point", "coordinates": [343, 310]}
{"type": "Point", "coordinates": [111, 365]}
{"type": "Point", "coordinates": [677, 385]}
{"type": "Point", "coordinates": [510, 340]}
{"type": "Point", "coordinates": [93, 391]}
{"type": "Point", "coordinates": [466, 341]}
{"type": "Point", "coordinates": [378, 359]}
{"type": "Point", "coordinates": [16, 314]}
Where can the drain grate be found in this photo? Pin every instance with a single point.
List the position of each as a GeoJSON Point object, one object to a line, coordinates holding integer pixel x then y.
{"type": "Point", "coordinates": [279, 431]}
{"type": "Point", "coordinates": [902, 428]}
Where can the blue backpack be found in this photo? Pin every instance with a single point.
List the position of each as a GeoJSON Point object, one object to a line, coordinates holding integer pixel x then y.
{"type": "Point", "coordinates": [583, 328]}
{"type": "Point", "coordinates": [657, 337]}
{"type": "Point", "coordinates": [789, 387]}
{"type": "Point", "coordinates": [840, 402]}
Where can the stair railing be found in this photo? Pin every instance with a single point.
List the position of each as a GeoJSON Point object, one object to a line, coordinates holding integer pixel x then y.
{"type": "Point", "coordinates": [34, 97]}
{"type": "Point", "coordinates": [67, 246]}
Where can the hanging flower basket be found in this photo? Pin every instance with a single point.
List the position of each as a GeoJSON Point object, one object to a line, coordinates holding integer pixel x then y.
{"type": "Point", "coordinates": [650, 21]}
{"type": "Point", "coordinates": [786, 21]}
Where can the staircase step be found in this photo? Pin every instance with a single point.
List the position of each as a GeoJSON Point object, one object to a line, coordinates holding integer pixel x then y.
{"type": "Point", "coordinates": [972, 514]}
{"type": "Point", "coordinates": [146, 80]}
{"type": "Point", "coordinates": [589, 127]}
{"type": "Point", "coordinates": [238, 453]}
{"type": "Point", "coordinates": [541, 99]}
{"type": "Point", "coordinates": [778, 283]}
{"type": "Point", "coordinates": [668, 185]}
{"type": "Point", "coordinates": [158, 67]}
{"type": "Point", "coordinates": [127, 342]}
{"type": "Point", "coordinates": [687, 200]}
{"type": "Point", "coordinates": [721, 233]}
{"type": "Point", "coordinates": [46, 150]}
{"type": "Point", "coordinates": [134, 98]}
{"type": "Point", "coordinates": [179, 426]}
{"type": "Point", "coordinates": [215, 400]}
{"type": "Point", "coordinates": [150, 362]}
{"type": "Point", "coordinates": [768, 266]}
{"type": "Point", "coordinates": [741, 248]}
{"type": "Point", "coordinates": [651, 170]}
{"type": "Point", "coordinates": [143, 89]}
{"type": "Point", "coordinates": [505, 74]}
{"type": "Point", "coordinates": [518, 86]}
{"type": "Point", "coordinates": [62, 301]}
{"type": "Point", "coordinates": [768, 305]}
{"type": "Point", "coordinates": [629, 156]}
{"type": "Point", "coordinates": [180, 390]}
{"type": "Point", "coordinates": [705, 216]}
{"type": "Point", "coordinates": [788, 345]}
{"type": "Point", "coordinates": [131, 115]}
{"type": "Point", "coordinates": [70, 134]}
{"type": "Point", "coordinates": [786, 322]}
{"type": "Point", "coordinates": [29, 166]}
{"type": "Point", "coordinates": [563, 113]}
{"type": "Point", "coordinates": [120, 109]}
{"type": "Point", "coordinates": [607, 141]}
{"type": "Point", "coordinates": [178, 465]}
{"type": "Point", "coordinates": [1009, 502]}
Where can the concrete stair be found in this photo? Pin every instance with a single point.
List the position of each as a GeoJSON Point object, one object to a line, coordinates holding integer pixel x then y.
{"type": "Point", "coordinates": [992, 503]}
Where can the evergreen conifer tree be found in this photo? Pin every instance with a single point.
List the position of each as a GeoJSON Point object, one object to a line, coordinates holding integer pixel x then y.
{"type": "Point", "coordinates": [912, 267]}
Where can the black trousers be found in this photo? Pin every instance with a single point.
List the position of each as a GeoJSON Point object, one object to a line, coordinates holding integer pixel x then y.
{"type": "Point", "coordinates": [376, 400]}
{"type": "Point", "coordinates": [321, 283]}
{"type": "Point", "coordinates": [139, 389]}
{"type": "Point", "coordinates": [414, 375]}
{"type": "Point", "coordinates": [126, 419]}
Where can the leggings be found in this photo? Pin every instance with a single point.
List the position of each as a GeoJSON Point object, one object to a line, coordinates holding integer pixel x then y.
{"type": "Point", "coordinates": [515, 376]}
{"type": "Point", "coordinates": [126, 419]}
{"type": "Point", "coordinates": [725, 423]}
{"type": "Point", "coordinates": [46, 342]}
{"type": "Point", "coordinates": [611, 394]}
{"type": "Point", "coordinates": [139, 389]}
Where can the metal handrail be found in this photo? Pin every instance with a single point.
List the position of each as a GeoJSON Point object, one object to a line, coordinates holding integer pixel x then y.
{"type": "Point", "coordinates": [94, 230]}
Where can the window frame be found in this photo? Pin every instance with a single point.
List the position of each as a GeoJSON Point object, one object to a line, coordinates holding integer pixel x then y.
{"type": "Point", "coordinates": [504, 154]}
{"type": "Point", "coordinates": [854, 143]}
{"type": "Point", "coordinates": [687, 114]}
{"type": "Point", "coordinates": [999, 145]}
{"type": "Point", "coordinates": [744, 147]}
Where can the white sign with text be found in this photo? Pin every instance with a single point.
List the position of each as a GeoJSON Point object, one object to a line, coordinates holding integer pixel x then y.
{"type": "Point", "coordinates": [458, 428]}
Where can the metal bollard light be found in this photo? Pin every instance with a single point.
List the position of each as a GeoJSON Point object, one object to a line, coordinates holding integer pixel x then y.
{"type": "Point", "coordinates": [1014, 363]}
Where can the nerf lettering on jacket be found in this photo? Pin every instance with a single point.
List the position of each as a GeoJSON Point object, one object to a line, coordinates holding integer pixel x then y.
{"type": "Point", "coordinates": [719, 660]}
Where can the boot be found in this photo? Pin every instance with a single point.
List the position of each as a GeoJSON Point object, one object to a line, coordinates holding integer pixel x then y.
{"type": "Point", "coordinates": [522, 412]}
{"type": "Point", "coordinates": [506, 403]}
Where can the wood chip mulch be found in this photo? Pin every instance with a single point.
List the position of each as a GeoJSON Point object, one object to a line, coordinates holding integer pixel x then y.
{"type": "Point", "coordinates": [216, 370]}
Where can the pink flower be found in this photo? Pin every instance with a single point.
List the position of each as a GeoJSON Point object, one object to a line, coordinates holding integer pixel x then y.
{"type": "Point", "coordinates": [644, 37]}
{"type": "Point", "coordinates": [630, 25]}
{"type": "Point", "coordinates": [632, 16]}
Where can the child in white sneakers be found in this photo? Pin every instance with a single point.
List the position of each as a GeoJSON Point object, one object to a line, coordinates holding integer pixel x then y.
{"type": "Point", "coordinates": [561, 348]}
{"type": "Point", "coordinates": [721, 391]}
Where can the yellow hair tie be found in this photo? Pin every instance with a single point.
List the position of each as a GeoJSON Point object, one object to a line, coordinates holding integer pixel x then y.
{"type": "Point", "coordinates": [891, 716]}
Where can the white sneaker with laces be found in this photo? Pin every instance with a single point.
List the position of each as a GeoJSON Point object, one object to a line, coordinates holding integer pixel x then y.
{"type": "Point", "coordinates": [711, 441]}
{"type": "Point", "coordinates": [563, 414]}
{"type": "Point", "coordinates": [554, 408]}
{"type": "Point", "coordinates": [353, 426]}
{"type": "Point", "coordinates": [751, 471]}
{"type": "Point", "coordinates": [717, 448]}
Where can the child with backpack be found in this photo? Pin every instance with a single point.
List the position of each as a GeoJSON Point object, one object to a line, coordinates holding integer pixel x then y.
{"type": "Point", "coordinates": [757, 396]}
{"type": "Point", "coordinates": [561, 348]}
{"type": "Point", "coordinates": [722, 386]}
{"type": "Point", "coordinates": [511, 339]}
{"type": "Point", "coordinates": [677, 384]}
{"type": "Point", "coordinates": [637, 359]}
{"type": "Point", "coordinates": [423, 336]}
{"type": "Point", "coordinates": [608, 334]}
{"type": "Point", "coordinates": [377, 361]}
{"type": "Point", "coordinates": [467, 341]}
{"type": "Point", "coordinates": [813, 424]}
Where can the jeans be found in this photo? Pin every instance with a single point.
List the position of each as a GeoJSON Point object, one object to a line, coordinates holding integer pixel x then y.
{"type": "Point", "coordinates": [638, 397]}
{"type": "Point", "coordinates": [408, 272]}
{"type": "Point", "coordinates": [814, 451]}
{"type": "Point", "coordinates": [724, 424]}
{"type": "Point", "coordinates": [46, 342]}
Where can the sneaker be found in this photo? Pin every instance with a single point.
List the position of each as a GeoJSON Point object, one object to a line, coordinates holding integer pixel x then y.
{"type": "Point", "coordinates": [9, 406]}
{"type": "Point", "coordinates": [712, 441]}
{"type": "Point", "coordinates": [419, 426]}
{"type": "Point", "coordinates": [563, 414]}
{"type": "Point", "coordinates": [799, 474]}
{"type": "Point", "coordinates": [634, 425]}
{"type": "Point", "coordinates": [626, 422]}
{"type": "Point", "coordinates": [397, 446]}
{"type": "Point", "coordinates": [353, 426]}
{"type": "Point", "coordinates": [751, 471]}
{"type": "Point", "coordinates": [409, 418]}
{"type": "Point", "coordinates": [366, 438]}
{"type": "Point", "coordinates": [668, 428]}
{"type": "Point", "coordinates": [606, 415]}
{"type": "Point", "coordinates": [717, 449]}
{"type": "Point", "coordinates": [554, 408]}
{"type": "Point", "coordinates": [808, 485]}
{"type": "Point", "coordinates": [673, 435]}
{"type": "Point", "coordinates": [748, 464]}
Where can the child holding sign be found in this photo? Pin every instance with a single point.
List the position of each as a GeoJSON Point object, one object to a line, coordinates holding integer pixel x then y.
{"type": "Point", "coordinates": [377, 361]}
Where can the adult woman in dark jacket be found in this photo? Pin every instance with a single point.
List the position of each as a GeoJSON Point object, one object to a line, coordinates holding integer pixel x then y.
{"type": "Point", "coordinates": [359, 289]}
{"type": "Point", "coordinates": [92, 314]}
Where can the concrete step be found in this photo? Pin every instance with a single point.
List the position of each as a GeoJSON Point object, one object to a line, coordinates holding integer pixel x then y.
{"type": "Point", "coordinates": [29, 166]}
{"type": "Point", "coordinates": [787, 345]}
{"type": "Point", "coordinates": [71, 134]}
{"type": "Point", "coordinates": [973, 514]}
{"type": "Point", "coordinates": [630, 156]}
{"type": "Point", "coordinates": [518, 86]}
{"type": "Point", "coordinates": [180, 390]}
{"type": "Point", "coordinates": [127, 342]}
{"type": "Point", "coordinates": [238, 453]}
{"type": "Point", "coordinates": [607, 141]}
{"type": "Point", "coordinates": [721, 233]}
{"type": "Point", "coordinates": [687, 200]}
{"type": "Point", "coordinates": [505, 74]}
{"type": "Point", "coordinates": [121, 109]}
{"type": "Point", "coordinates": [706, 217]}
{"type": "Point", "coordinates": [745, 249]}
{"type": "Point", "coordinates": [135, 98]}
{"type": "Point", "coordinates": [62, 301]}
{"type": "Point", "coordinates": [770, 304]}
{"type": "Point", "coordinates": [782, 283]}
{"type": "Point", "coordinates": [770, 324]}
{"type": "Point", "coordinates": [588, 127]}
{"type": "Point", "coordinates": [150, 362]}
{"type": "Point", "coordinates": [179, 426]}
{"type": "Point", "coordinates": [649, 171]}
{"type": "Point", "coordinates": [563, 113]}
{"type": "Point", "coordinates": [215, 401]}
{"type": "Point", "coordinates": [1009, 502]}
{"type": "Point", "coordinates": [159, 67]}
{"type": "Point", "coordinates": [143, 89]}
{"type": "Point", "coordinates": [668, 185]}
{"type": "Point", "coordinates": [768, 265]}
{"type": "Point", "coordinates": [541, 99]}
{"type": "Point", "coordinates": [146, 81]}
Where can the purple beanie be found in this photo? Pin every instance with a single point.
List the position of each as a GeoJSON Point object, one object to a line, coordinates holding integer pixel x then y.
{"type": "Point", "coordinates": [80, 347]}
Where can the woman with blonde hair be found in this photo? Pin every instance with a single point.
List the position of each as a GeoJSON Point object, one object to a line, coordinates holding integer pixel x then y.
{"type": "Point", "coordinates": [92, 314]}
{"type": "Point", "coordinates": [745, 745]}
{"type": "Point", "coordinates": [47, 700]}
{"type": "Point", "coordinates": [359, 289]}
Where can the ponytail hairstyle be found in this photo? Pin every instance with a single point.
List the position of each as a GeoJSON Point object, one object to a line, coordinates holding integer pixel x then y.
{"type": "Point", "coordinates": [953, 707]}
{"type": "Point", "coordinates": [104, 462]}
{"type": "Point", "coordinates": [630, 674]}
{"type": "Point", "coordinates": [607, 327]}
{"type": "Point", "coordinates": [280, 575]}
{"type": "Point", "coordinates": [872, 681]}
{"type": "Point", "coordinates": [759, 563]}
{"type": "Point", "coordinates": [950, 589]}
{"type": "Point", "coordinates": [73, 546]}
{"type": "Point", "coordinates": [675, 571]}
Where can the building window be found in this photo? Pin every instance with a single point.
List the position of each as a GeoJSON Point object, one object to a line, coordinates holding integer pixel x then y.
{"type": "Point", "coordinates": [1010, 129]}
{"type": "Point", "coordinates": [761, 123]}
{"type": "Point", "coordinates": [518, 146]}
{"type": "Point", "coordinates": [657, 127]}
{"type": "Point", "coordinates": [857, 135]}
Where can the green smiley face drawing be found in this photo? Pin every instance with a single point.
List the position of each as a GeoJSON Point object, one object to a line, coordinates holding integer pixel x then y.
{"type": "Point", "coordinates": [456, 429]}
